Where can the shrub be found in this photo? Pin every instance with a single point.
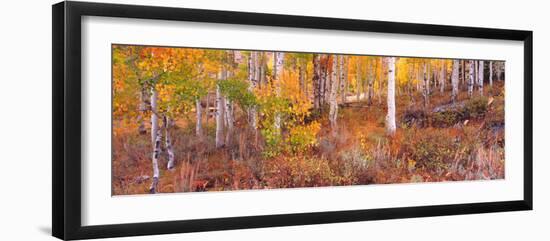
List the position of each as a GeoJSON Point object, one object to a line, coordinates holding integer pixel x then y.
{"type": "Point", "coordinates": [298, 171]}
{"type": "Point", "coordinates": [432, 150]}
{"type": "Point", "coordinates": [446, 118]}
{"type": "Point", "coordinates": [416, 117]}
{"type": "Point", "coordinates": [356, 166]}
{"type": "Point", "coordinates": [475, 107]}
{"type": "Point", "coordinates": [273, 142]}
{"type": "Point", "coordinates": [303, 137]}
{"type": "Point", "coordinates": [495, 117]}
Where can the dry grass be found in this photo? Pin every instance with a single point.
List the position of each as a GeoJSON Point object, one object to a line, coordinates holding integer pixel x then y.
{"type": "Point", "coordinates": [361, 153]}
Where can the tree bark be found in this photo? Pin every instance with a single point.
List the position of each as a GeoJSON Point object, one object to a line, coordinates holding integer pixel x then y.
{"type": "Point", "coordinates": [155, 139]}
{"type": "Point", "coordinates": [316, 82]}
{"type": "Point", "coordinates": [428, 81]}
{"type": "Point", "coordinates": [253, 78]}
{"type": "Point", "coordinates": [198, 108]}
{"type": "Point", "coordinates": [278, 74]}
{"type": "Point", "coordinates": [262, 67]}
{"type": "Point", "coordinates": [220, 106]}
{"type": "Point", "coordinates": [442, 77]}
{"type": "Point", "coordinates": [480, 77]}
{"type": "Point", "coordinates": [302, 76]}
{"type": "Point", "coordinates": [326, 80]}
{"type": "Point", "coordinates": [343, 78]}
{"type": "Point", "coordinates": [358, 82]}
{"type": "Point", "coordinates": [463, 71]}
{"type": "Point", "coordinates": [425, 84]}
{"type": "Point", "coordinates": [142, 110]}
{"type": "Point", "coordinates": [229, 121]}
{"type": "Point", "coordinates": [371, 76]}
{"type": "Point", "coordinates": [333, 111]}
{"type": "Point", "coordinates": [207, 109]}
{"type": "Point", "coordinates": [471, 78]}
{"type": "Point", "coordinates": [168, 142]}
{"type": "Point", "coordinates": [454, 81]}
{"type": "Point", "coordinates": [491, 73]}
{"type": "Point", "coordinates": [391, 126]}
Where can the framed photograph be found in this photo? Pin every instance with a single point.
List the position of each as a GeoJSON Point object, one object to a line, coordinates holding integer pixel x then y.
{"type": "Point", "coordinates": [170, 120]}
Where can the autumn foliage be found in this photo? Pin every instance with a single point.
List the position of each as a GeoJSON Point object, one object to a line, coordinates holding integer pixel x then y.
{"type": "Point", "coordinates": [246, 120]}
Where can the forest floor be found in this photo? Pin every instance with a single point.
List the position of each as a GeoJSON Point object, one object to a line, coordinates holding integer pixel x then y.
{"type": "Point", "coordinates": [439, 142]}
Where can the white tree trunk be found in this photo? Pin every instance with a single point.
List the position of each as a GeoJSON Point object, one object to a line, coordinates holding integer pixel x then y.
{"type": "Point", "coordinates": [253, 78]}
{"type": "Point", "coordinates": [333, 112]}
{"type": "Point", "coordinates": [229, 114]}
{"type": "Point", "coordinates": [343, 78]}
{"type": "Point", "coordinates": [155, 139]}
{"type": "Point", "coordinates": [391, 126]}
{"type": "Point", "coordinates": [480, 77]}
{"type": "Point", "coordinates": [454, 81]}
{"type": "Point", "coordinates": [168, 143]}
{"type": "Point", "coordinates": [198, 127]}
{"type": "Point", "coordinates": [471, 78]}
{"type": "Point", "coordinates": [491, 73]}
{"type": "Point", "coordinates": [229, 121]}
{"type": "Point", "coordinates": [425, 84]}
{"type": "Point", "coordinates": [142, 110]}
{"type": "Point", "coordinates": [316, 81]}
{"type": "Point", "coordinates": [358, 81]}
{"type": "Point", "coordinates": [302, 76]}
{"type": "Point", "coordinates": [278, 74]}
{"type": "Point", "coordinates": [428, 81]}
{"type": "Point", "coordinates": [220, 113]}
{"type": "Point", "coordinates": [442, 77]}
{"type": "Point", "coordinates": [371, 74]}
{"type": "Point", "coordinates": [499, 68]}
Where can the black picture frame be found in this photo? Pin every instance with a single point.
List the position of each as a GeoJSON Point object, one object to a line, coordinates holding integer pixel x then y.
{"type": "Point", "coordinates": [66, 169]}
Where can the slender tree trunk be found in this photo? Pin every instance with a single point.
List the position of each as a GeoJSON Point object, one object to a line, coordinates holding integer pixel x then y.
{"type": "Point", "coordinates": [323, 82]}
{"type": "Point", "coordinates": [476, 76]}
{"type": "Point", "coordinates": [316, 82]}
{"type": "Point", "coordinates": [198, 127]}
{"type": "Point", "coordinates": [390, 120]}
{"type": "Point", "coordinates": [142, 110]}
{"type": "Point", "coordinates": [436, 79]}
{"type": "Point", "coordinates": [229, 109]}
{"type": "Point", "coordinates": [371, 76]}
{"type": "Point", "coordinates": [302, 76]}
{"type": "Point", "coordinates": [343, 78]}
{"type": "Point", "coordinates": [410, 77]}
{"type": "Point", "coordinates": [425, 83]}
{"type": "Point", "coordinates": [442, 78]}
{"type": "Point", "coordinates": [278, 74]}
{"type": "Point", "coordinates": [155, 139]}
{"type": "Point", "coordinates": [366, 81]}
{"type": "Point", "coordinates": [333, 112]}
{"type": "Point", "coordinates": [220, 107]}
{"type": "Point", "coordinates": [428, 81]}
{"type": "Point", "coordinates": [168, 142]}
{"type": "Point", "coordinates": [499, 68]}
{"type": "Point", "coordinates": [380, 79]}
{"type": "Point", "coordinates": [229, 122]}
{"type": "Point", "coordinates": [263, 64]}
{"type": "Point", "coordinates": [463, 69]}
{"type": "Point", "coordinates": [358, 81]}
{"type": "Point", "coordinates": [491, 73]}
{"type": "Point", "coordinates": [454, 81]}
{"type": "Point", "coordinates": [253, 76]}
{"type": "Point", "coordinates": [471, 78]}
{"type": "Point", "coordinates": [327, 81]}
{"type": "Point", "coordinates": [480, 77]}
{"type": "Point", "coordinates": [207, 106]}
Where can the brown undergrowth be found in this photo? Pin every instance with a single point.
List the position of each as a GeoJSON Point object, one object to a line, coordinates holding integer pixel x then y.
{"type": "Point", "coordinates": [463, 142]}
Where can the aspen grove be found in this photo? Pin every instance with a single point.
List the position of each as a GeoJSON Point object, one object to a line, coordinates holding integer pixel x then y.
{"type": "Point", "coordinates": [192, 119]}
